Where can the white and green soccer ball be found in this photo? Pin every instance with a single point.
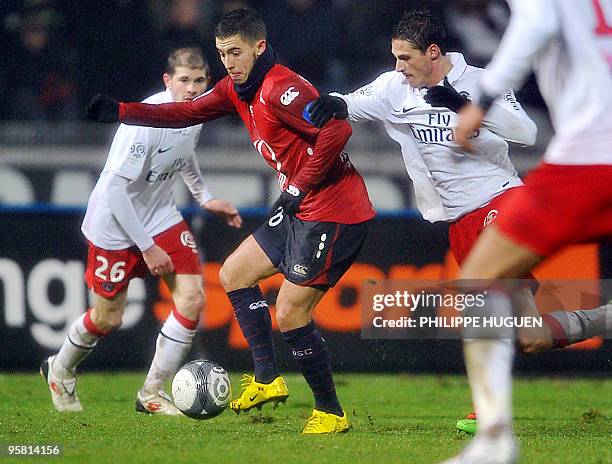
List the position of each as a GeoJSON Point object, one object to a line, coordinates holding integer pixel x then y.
{"type": "Point", "coordinates": [201, 389]}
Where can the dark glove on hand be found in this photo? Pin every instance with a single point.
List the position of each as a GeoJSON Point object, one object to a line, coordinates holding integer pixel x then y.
{"type": "Point", "coordinates": [289, 200]}
{"type": "Point", "coordinates": [326, 107]}
{"type": "Point", "coordinates": [103, 108]}
{"type": "Point", "coordinates": [446, 96]}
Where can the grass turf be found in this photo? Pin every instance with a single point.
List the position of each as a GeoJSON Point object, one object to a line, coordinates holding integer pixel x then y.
{"type": "Point", "coordinates": [396, 418]}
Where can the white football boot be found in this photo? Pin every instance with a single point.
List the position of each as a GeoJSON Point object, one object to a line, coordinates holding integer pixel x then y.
{"type": "Point", "coordinates": [484, 450]}
{"type": "Point", "coordinates": [63, 391]}
{"type": "Point", "coordinates": [156, 403]}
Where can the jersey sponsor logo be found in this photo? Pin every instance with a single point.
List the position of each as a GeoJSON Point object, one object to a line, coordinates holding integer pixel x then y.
{"type": "Point", "coordinates": [258, 304]}
{"type": "Point", "coordinates": [289, 95]}
{"type": "Point", "coordinates": [188, 240]}
{"type": "Point", "coordinates": [300, 269]}
{"type": "Point", "coordinates": [156, 176]}
{"type": "Point", "coordinates": [490, 217]}
{"type": "Point", "coordinates": [164, 150]}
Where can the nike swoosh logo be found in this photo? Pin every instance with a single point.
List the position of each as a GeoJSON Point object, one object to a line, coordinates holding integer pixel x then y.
{"type": "Point", "coordinates": [405, 110]}
{"type": "Point", "coordinates": [505, 184]}
{"type": "Point", "coordinates": [253, 397]}
{"type": "Point", "coordinates": [165, 150]}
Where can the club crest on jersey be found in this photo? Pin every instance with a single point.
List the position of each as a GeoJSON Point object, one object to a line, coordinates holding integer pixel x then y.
{"type": "Point", "coordinates": [188, 240]}
{"type": "Point", "coordinates": [490, 217]}
{"type": "Point", "coordinates": [289, 95]}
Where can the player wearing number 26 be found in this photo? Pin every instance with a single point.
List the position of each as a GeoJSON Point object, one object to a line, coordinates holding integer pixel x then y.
{"type": "Point", "coordinates": [133, 227]}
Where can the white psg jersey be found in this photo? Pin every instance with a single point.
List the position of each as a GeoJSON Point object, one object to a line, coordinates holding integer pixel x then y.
{"type": "Point", "coordinates": [568, 43]}
{"type": "Point", "coordinates": [448, 182]}
{"type": "Point", "coordinates": [152, 159]}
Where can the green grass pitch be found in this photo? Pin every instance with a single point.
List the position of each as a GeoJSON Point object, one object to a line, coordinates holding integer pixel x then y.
{"type": "Point", "coordinates": [397, 418]}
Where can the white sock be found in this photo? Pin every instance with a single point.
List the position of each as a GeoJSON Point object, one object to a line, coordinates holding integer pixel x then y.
{"type": "Point", "coordinates": [173, 344]}
{"type": "Point", "coordinates": [489, 365]}
{"type": "Point", "coordinates": [77, 346]}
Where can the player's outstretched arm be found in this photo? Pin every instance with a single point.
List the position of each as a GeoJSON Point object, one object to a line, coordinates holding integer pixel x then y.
{"type": "Point", "coordinates": [103, 108]}
{"type": "Point", "coordinates": [213, 104]}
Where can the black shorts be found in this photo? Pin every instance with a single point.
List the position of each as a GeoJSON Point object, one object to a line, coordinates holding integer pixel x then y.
{"type": "Point", "coordinates": [310, 253]}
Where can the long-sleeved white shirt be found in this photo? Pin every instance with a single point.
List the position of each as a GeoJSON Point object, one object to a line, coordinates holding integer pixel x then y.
{"type": "Point", "coordinates": [132, 200]}
{"type": "Point", "coordinates": [448, 182]}
{"type": "Point", "coordinates": [568, 43]}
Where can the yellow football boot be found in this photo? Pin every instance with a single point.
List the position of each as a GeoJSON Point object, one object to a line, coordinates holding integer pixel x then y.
{"type": "Point", "coordinates": [255, 394]}
{"type": "Point", "coordinates": [326, 422]}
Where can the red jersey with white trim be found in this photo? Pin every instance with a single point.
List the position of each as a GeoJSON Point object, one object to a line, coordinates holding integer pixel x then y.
{"type": "Point", "coordinates": [311, 159]}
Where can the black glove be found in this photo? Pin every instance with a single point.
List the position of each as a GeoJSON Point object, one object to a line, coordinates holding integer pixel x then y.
{"type": "Point", "coordinates": [289, 200]}
{"type": "Point", "coordinates": [446, 96]}
{"type": "Point", "coordinates": [326, 107]}
{"type": "Point", "coordinates": [103, 108]}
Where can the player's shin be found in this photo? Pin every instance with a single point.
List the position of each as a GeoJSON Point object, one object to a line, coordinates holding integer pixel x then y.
{"type": "Point", "coordinates": [312, 358]}
{"type": "Point", "coordinates": [173, 344]}
{"type": "Point", "coordinates": [82, 337]}
{"type": "Point", "coordinates": [253, 316]}
{"type": "Point", "coordinates": [489, 352]}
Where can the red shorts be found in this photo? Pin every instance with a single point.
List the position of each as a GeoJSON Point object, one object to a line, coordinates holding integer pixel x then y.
{"type": "Point", "coordinates": [558, 206]}
{"type": "Point", "coordinates": [109, 272]}
{"type": "Point", "coordinates": [463, 233]}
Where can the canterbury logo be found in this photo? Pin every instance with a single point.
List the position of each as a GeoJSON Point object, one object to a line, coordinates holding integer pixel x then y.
{"type": "Point", "coordinates": [490, 217]}
{"type": "Point", "coordinates": [258, 304]}
{"type": "Point", "coordinates": [300, 270]}
{"type": "Point", "coordinates": [289, 95]}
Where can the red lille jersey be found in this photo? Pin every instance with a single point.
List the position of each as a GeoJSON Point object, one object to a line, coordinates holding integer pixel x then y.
{"type": "Point", "coordinates": [311, 159]}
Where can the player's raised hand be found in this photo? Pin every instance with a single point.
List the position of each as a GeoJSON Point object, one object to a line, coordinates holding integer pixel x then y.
{"type": "Point", "coordinates": [326, 107]}
{"type": "Point", "coordinates": [225, 211]}
{"type": "Point", "coordinates": [446, 96]}
{"type": "Point", "coordinates": [158, 261]}
{"type": "Point", "coordinates": [103, 108]}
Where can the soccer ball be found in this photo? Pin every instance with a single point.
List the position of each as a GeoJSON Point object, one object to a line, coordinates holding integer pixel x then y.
{"type": "Point", "coordinates": [201, 389]}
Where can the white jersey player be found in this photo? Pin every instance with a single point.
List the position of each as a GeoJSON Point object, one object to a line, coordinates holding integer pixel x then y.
{"type": "Point", "coordinates": [417, 104]}
{"type": "Point", "coordinates": [134, 227]}
{"type": "Point", "coordinates": [565, 200]}
{"type": "Point", "coordinates": [448, 182]}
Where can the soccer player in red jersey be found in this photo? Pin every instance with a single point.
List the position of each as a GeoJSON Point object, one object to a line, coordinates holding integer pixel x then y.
{"type": "Point", "coordinates": [317, 226]}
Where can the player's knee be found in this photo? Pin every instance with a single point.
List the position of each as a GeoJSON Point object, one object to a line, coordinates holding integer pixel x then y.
{"type": "Point", "coordinates": [191, 303]}
{"type": "Point", "coordinates": [229, 277]}
{"type": "Point", "coordinates": [109, 321]}
{"type": "Point", "coordinates": [289, 316]}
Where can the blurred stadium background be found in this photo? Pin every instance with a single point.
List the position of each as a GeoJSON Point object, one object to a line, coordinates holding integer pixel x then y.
{"type": "Point", "coordinates": [56, 54]}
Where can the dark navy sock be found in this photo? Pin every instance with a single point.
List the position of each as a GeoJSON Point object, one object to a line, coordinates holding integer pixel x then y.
{"type": "Point", "coordinates": [312, 357]}
{"type": "Point", "coordinates": [253, 315]}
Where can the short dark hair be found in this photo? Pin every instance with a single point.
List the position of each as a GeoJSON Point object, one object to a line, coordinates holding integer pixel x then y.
{"type": "Point", "coordinates": [189, 57]}
{"type": "Point", "coordinates": [244, 22]}
{"type": "Point", "coordinates": [421, 29]}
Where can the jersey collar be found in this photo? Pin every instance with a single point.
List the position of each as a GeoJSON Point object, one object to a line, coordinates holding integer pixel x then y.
{"type": "Point", "coordinates": [459, 67]}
